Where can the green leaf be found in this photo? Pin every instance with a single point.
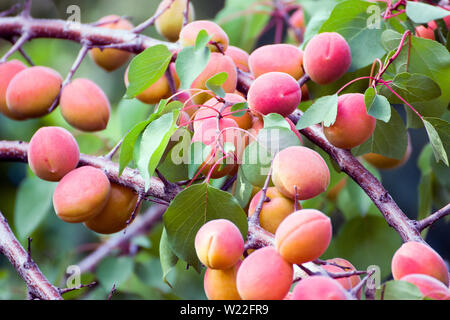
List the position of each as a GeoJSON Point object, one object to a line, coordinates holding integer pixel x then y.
{"type": "Point", "coordinates": [323, 110]}
{"type": "Point", "coordinates": [243, 189]}
{"type": "Point", "coordinates": [432, 125]}
{"type": "Point", "coordinates": [198, 153]}
{"type": "Point", "coordinates": [130, 112]}
{"type": "Point", "coordinates": [33, 203]}
{"type": "Point", "coordinates": [275, 139]}
{"type": "Point", "coordinates": [114, 271]}
{"type": "Point", "coordinates": [146, 68]}
{"type": "Point", "coordinates": [239, 106]}
{"type": "Point", "coordinates": [215, 83]}
{"type": "Point", "coordinates": [423, 13]}
{"type": "Point", "coordinates": [167, 257]}
{"type": "Point", "coordinates": [256, 161]}
{"type": "Point", "coordinates": [191, 209]}
{"type": "Point", "coordinates": [425, 198]}
{"type": "Point", "coordinates": [202, 40]}
{"type": "Point", "coordinates": [275, 120]}
{"type": "Point", "coordinates": [377, 105]}
{"type": "Point", "coordinates": [398, 290]}
{"type": "Point", "coordinates": [412, 88]}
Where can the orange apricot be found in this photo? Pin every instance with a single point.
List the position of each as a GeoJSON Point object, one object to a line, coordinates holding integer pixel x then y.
{"type": "Point", "coordinates": [221, 284]}
{"type": "Point", "coordinates": [319, 288]}
{"type": "Point", "coordinates": [429, 286]}
{"type": "Point", "coordinates": [7, 72]}
{"type": "Point", "coordinates": [189, 34]}
{"type": "Point", "coordinates": [239, 56]}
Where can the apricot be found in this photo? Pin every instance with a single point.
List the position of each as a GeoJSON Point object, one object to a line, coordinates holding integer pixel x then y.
{"type": "Point", "coordinates": [327, 57]}
{"type": "Point", "coordinates": [84, 105]}
{"type": "Point", "coordinates": [52, 153]}
{"type": "Point", "coordinates": [429, 286]}
{"type": "Point", "coordinates": [221, 284]}
{"type": "Point", "coordinates": [111, 59]}
{"type": "Point", "coordinates": [7, 72]}
{"type": "Point", "coordinates": [319, 288]}
{"type": "Point", "coordinates": [169, 24]}
{"type": "Point", "coordinates": [275, 209]}
{"type": "Point", "coordinates": [32, 91]}
{"type": "Point", "coordinates": [189, 34]}
{"type": "Point", "coordinates": [264, 275]}
{"type": "Point", "coordinates": [417, 257]}
{"type": "Point", "coordinates": [81, 194]}
{"type": "Point", "coordinates": [239, 56]}
{"type": "Point", "coordinates": [116, 212]}
{"type": "Point", "coordinates": [297, 19]}
{"type": "Point", "coordinates": [310, 176]}
{"type": "Point", "coordinates": [353, 125]}
{"type": "Point", "coordinates": [277, 58]}
{"type": "Point", "coordinates": [303, 236]}
{"type": "Point", "coordinates": [274, 92]}
{"type": "Point", "coordinates": [217, 63]}
{"type": "Point", "coordinates": [425, 32]}
{"type": "Point", "coordinates": [219, 244]}
{"type": "Point", "coordinates": [354, 280]}
{"type": "Point", "coordinates": [344, 282]}
{"type": "Point", "coordinates": [381, 162]}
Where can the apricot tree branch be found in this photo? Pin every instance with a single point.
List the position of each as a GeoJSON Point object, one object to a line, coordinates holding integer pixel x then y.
{"type": "Point", "coordinates": [428, 221]}
{"type": "Point", "coordinates": [150, 21]}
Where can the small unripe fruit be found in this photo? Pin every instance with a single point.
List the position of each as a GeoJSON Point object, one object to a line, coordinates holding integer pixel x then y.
{"type": "Point", "coordinates": [169, 24]}
{"type": "Point", "coordinates": [190, 32]}
{"type": "Point", "coordinates": [219, 244]}
{"type": "Point", "coordinates": [303, 236]}
{"type": "Point", "coordinates": [429, 286]}
{"type": "Point", "coordinates": [111, 59]}
{"type": "Point", "coordinates": [274, 92]}
{"type": "Point", "coordinates": [221, 284]}
{"type": "Point", "coordinates": [353, 126]}
{"type": "Point", "coordinates": [81, 194]}
{"type": "Point", "coordinates": [116, 212]}
{"type": "Point", "coordinates": [310, 176]}
{"type": "Point", "coordinates": [239, 56]}
{"type": "Point", "coordinates": [7, 72]}
{"type": "Point", "coordinates": [264, 275]}
{"type": "Point", "coordinates": [84, 105]}
{"type": "Point", "coordinates": [327, 57]}
{"type": "Point", "coordinates": [32, 91]}
{"type": "Point", "coordinates": [319, 288]}
{"type": "Point", "coordinates": [52, 153]}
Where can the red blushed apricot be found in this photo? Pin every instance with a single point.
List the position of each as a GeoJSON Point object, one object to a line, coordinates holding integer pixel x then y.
{"type": "Point", "coordinates": [116, 212]}
{"type": "Point", "coordinates": [300, 168]}
{"type": "Point", "coordinates": [264, 275]}
{"type": "Point", "coordinates": [209, 111]}
{"type": "Point", "coordinates": [239, 56]}
{"type": "Point", "coordinates": [274, 92]}
{"type": "Point", "coordinates": [276, 207]}
{"type": "Point", "coordinates": [52, 153]}
{"type": "Point", "coordinates": [84, 105]}
{"type": "Point", "coordinates": [81, 194]}
{"type": "Point", "coordinates": [354, 280]}
{"type": "Point", "coordinates": [189, 34]}
{"type": "Point", "coordinates": [344, 282]}
{"type": "Point", "coordinates": [417, 257]}
{"type": "Point", "coordinates": [319, 288]}
{"type": "Point", "coordinates": [353, 125]}
{"type": "Point", "coordinates": [297, 19]}
{"type": "Point", "coordinates": [425, 32]}
{"type": "Point", "coordinates": [111, 59]}
{"type": "Point", "coordinates": [221, 284]}
{"type": "Point", "coordinates": [169, 24]}
{"type": "Point", "coordinates": [219, 244]}
{"type": "Point", "coordinates": [32, 91]}
{"type": "Point", "coordinates": [429, 286]}
{"type": "Point", "coordinates": [7, 71]}
{"type": "Point", "coordinates": [217, 63]}
{"type": "Point", "coordinates": [381, 162]}
{"type": "Point", "coordinates": [327, 57]}
{"type": "Point", "coordinates": [277, 58]}
{"type": "Point", "coordinates": [303, 236]}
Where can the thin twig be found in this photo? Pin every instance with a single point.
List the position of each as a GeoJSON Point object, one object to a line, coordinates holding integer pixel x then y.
{"type": "Point", "coordinates": [18, 44]}
{"type": "Point", "coordinates": [428, 221]}
{"type": "Point", "coordinates": [150, 21]}
{"type": "Point", "coordinates": [90, 285]}
{"type": "Point", "coordinates": [113, 151]}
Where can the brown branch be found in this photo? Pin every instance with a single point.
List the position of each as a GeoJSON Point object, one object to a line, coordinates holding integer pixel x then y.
{"type": "Point", "coordinates": [428, 221]}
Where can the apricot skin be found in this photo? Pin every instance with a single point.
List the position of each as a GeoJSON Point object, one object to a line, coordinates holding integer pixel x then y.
{"type": "Point", "coordinates": [221, 284]}
{"type": "Point", "coordinates": [416, 257]}
{"type": "Point", "coordinates": [310, 175]}
{"type": "Point", "coordinates": [327, 57]}
{"type": "Point", "coordinates": [7, 72]}
{"type": "Point", "coordinates": [85, 106]}
{"type": "Point", "coordinates": [354, 280]}
{"type": "Point", "coordinates": [32, 91]}
{"type": "Point", "coordinates": [425, 32]}
{"type": "Point", "coordinates": [303, 236]}
{"type": "Point", "coordinates": [319, 288]}
{"type": "Point", "coordinates": [274, 92]}
{"type": "Point", "coordinates": [111, 59]}
{"type": "Point", "coordinates": [353, 125]}
{"type": "Point", "coordinates": [116, 212]}
{"type": "Point", "coordinates": [189, 34]}
{"type": "Point", "coordinates": [277, 58]}
{"type": "Point", "coordinates": [239, 56]}
{"type": "Point", "coordinates": [52, 153]}
{"type": "Point", "coordinates": [169, 24]}
{"type": "Point", "coordinates": [81, 194]}
{"type": "Point", "coordinates": [219, 244]}
{"type": "Point", "coordinates": [264, 275]}
{"type": "Point", "coordinates": [275, 209]}
{"type": "Point", "coordinates": [429, 286]}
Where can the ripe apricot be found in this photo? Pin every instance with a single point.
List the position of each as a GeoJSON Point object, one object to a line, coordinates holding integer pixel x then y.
{"type": "Point", "coordinates": [111, 59]}
{"type": "Point", "coordinates": [429, 286]}
{"type": "Point", "coordinates": [319, 288]}
{"type": "Point", "coordinates": [239, 56]}
{"type": "Point", "coordinates": [274, 92]}
{"type": "Point", "coordinates": [169, 24]}
{"type": "Point", "coordinates": [297, 19]}
{"type": "Point", "coordinates": [189, 34]}
{"type": "Point", "coordinates": [81, 194]}
{"type": "Point", "coordinates": [221, 284]}
{"type": "Point", "coordinates": [117, 211]}
{"type": "Point", "coordinates": [327, 57]}
{"type": "Point", "coordinates": [425, 32]}
{"type": "Point", "coordinates": [52, 153]}
{"type": "Point", "coordinates": [219, 244]}
{"type": "Point", "coordinates": [353, 125]}
{"type": "Point", "coordinates": [7, 71]}
{"type": "Point", "coordinates": [264, 275]}
{"type": "Point", "coordinates": [310, 176]}
{"type": "Point", "coordinates": [354, 280]}
{"type": "Point", "coordinates": [32, 91]}
{"type": "Point", "coordinates": [303, 236]}
{"type": "Point", "coordinates": [84, 105]}
{"type": "Point", "coordinates": [381, 162]}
